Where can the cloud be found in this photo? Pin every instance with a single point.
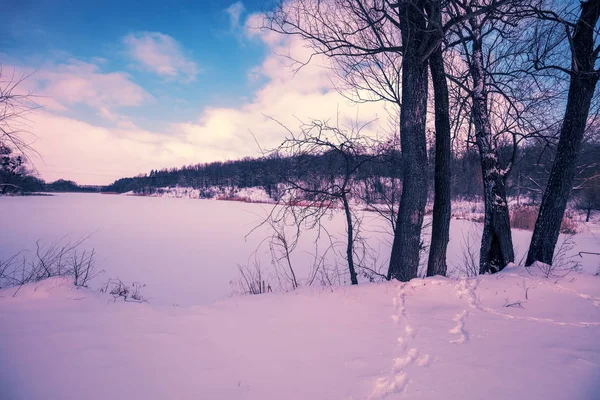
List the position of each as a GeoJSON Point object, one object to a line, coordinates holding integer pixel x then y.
{"type": "Point", "coordinates": [289, 96]}
{"type": "Point", "coordinates": [59, 86]}
{"type": "Point", "coordinates": [160, 54]}
{"type": "Point", "coordinates": [86, 153]}
{"type": "Point", "coordinates": [235, 12]}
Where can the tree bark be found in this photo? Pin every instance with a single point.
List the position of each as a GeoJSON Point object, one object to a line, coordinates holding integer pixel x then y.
{"type": "Point", "coordinates": [440, 227]}
{"type": "Point", "coordinates": [496, 242]}
{"type": "Point", "coordinates": [404, 260]}
{"type": "Point", "coordinates": [581, 90]}
{"type": "Point", "coordinates": [350, 244]}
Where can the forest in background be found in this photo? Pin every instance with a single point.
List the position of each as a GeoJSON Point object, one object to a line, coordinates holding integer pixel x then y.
{"type": "Point", "coordinates": [526, 180]}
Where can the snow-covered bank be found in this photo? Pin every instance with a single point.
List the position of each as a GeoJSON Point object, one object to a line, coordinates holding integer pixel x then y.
{"type": "Point", "coordinates": [432, 338]}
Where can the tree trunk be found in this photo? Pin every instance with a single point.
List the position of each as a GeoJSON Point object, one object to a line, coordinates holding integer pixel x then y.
{"type": "Point", "coordinates": [581, 90]}
{"type": "Point", "coordinates": [496, 243]}
{"type": "Point", "coordinates": [404, 260]}
{"type": "Point", "coordinates": [350, 244]}
{"type": "Point", "coordinates": [440, 227]}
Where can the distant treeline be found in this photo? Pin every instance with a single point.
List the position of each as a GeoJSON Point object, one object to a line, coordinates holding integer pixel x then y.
{"type": "Point", "coordinates": [17, 178]}
{"type": "Point", "coordinates": [527, 179]}
{"type": "Point", "coordinates": [26, 183]}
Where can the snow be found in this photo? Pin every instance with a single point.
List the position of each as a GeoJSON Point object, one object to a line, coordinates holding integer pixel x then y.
{"type": "Point", "coordinates": [186, 251]}
{"type": "Point", "coordinates": [434, 338]}
{"type": "Point", "coordinates": [248, 195]}
{"type": "Point", "coordinates": [514, 335]}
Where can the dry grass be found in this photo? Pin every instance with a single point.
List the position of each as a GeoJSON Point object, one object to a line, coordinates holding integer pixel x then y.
{"type": "Point", "coordinates": [569, 224]}
{"type": "Point", "coordinates": [524, 217]}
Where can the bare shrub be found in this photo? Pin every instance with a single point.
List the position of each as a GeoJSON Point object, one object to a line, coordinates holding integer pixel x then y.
{"type": "Point", "coordinates": [331, 275]}
{"type": "Point", "coordinates": [564, 260]}
{"type": "Point", "coordinates": [370, 266]}
{"type": "Point", "coordinates": [469, 265]}
{"type": "Point", "coordinates": [127, 291]}
{"type": "Point", "coordinates": [281, 247]}
{"type": "Point", "coordinates": [252, 279]}
{"type": "Point", "coordinates": [286, 225]}
{"type": "Point", "coordinates": [61, 258]}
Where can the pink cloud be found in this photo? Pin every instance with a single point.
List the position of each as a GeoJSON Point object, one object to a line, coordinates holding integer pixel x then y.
{"type": "Point", "coordinates": [160, 54]}
{"type": "Point", "coordinates": [59, 86]}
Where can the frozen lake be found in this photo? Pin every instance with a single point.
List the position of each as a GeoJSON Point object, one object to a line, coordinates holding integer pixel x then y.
{"type": "Point", "coordinates": [185, 251]}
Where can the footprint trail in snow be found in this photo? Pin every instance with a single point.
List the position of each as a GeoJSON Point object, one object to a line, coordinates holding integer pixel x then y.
{"type": "Point", "coordinates": [396, 380]}
{"type": "Point", "coordinates": [467, 289]}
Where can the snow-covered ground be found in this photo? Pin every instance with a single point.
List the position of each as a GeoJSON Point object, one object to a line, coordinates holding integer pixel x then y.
{"type": "Point", "coordinates": [513, 335]}
{"type": "Point", "coordinates": [186, 251]}
{"type": "Point", "coordinates": [434, 338]}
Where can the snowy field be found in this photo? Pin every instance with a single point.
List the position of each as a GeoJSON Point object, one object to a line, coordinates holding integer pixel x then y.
{"type": "Point", "coordinates": [186, 251]}
{"type": "Point", "coordinates": [514, 335]}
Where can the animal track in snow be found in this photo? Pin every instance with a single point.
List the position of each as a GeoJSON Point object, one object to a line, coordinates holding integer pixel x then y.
{"type": "Point", "coordinates": [397, 379]}
{"type": "Point", "coordinates": [595, 300]}
{"type": "Point", "coordinates": [423, 361]}
{"type": "Point", "coordinates": [388, 384]}
{"type": "Point", "coordinates": [459, 329]}
{"type": "Point", "coordinates": [401, 362]}
{"type": "Point", "coordinates": [467, 289]}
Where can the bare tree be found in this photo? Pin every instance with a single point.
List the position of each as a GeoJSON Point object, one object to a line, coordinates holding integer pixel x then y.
{"type": "Point", "coordinates": [15, 148]}
{"type": "Point", "coordinates": [15, 107]}
{"type": "Point", "coordinates": [489, 76]}
{"type": "Point", "coordinates": [581, 38]}
{"type": "Point", "coordinates": [440, 228]}
{"type": "Point", "coordinates": [340, 153]}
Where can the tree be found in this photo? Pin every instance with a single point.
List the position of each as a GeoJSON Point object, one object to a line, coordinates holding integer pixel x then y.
{"type": "Point", "coordinates": [14, 147]}
{"type": "Point", "coordinates": [12, 169]}
{"type": "Point", "coordinates": [583, 77]}
{"type": "Point", "coordinates": [312, 192]}
{"type": "Point", "coordinates": [440, 225]}
{"type": "Point", "coordinates": [589, 197]}
{"type": "Point", "coordinates": [473, 34]}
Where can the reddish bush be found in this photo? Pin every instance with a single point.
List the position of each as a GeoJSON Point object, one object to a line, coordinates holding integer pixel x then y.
{"type": "Point", "coordinates": [524, 217]}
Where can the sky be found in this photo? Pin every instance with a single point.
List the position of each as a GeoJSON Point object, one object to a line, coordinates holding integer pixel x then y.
{"type": "Point", "coordinates": [123, 89]}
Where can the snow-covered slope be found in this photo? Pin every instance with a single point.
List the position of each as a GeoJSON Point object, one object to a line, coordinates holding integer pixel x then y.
{"type": "Point", "coordinates": [432, 338]}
